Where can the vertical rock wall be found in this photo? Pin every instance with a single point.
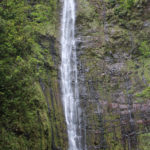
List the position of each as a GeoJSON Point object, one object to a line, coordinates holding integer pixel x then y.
{"type": "Point", "coordinates": [113, 55]}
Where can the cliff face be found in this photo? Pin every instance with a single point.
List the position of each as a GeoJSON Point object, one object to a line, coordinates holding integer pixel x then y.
{"type": "Point", "coordinates": [113, 47]}
{"type": "Point", "coordinates": [31, 113]}
{"type": "Point", "coordinates": [113, 53]}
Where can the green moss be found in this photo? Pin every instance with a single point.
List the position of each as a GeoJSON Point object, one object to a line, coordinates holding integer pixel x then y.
{"type": "Point", "coordinates": [144, 141]}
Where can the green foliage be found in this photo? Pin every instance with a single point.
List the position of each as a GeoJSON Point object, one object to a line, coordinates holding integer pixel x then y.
{"type": "Point", "coordinates": [124, 7]}
{"type": "Point", "coordinates": [144, 49]}
{"type": "Point", "coordinates": [127, 4]}
{"type": "Point", "coordinates": [24, 117]}
{"type": "Point", "coordinates": [145, 93]}
{"type": "Point", "coordinates": [145, 141]}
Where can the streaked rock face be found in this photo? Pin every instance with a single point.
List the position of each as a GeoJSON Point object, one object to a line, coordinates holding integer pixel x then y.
{"type": "Point", "coordinates": [113, 78]}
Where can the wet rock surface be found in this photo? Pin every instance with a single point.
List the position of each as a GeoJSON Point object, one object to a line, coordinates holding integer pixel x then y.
{"type": "Point", "coordinates": [114, 74]}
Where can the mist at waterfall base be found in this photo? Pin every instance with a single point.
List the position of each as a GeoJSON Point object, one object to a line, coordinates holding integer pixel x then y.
{"type": "Point", "coordinates": [69, 81]}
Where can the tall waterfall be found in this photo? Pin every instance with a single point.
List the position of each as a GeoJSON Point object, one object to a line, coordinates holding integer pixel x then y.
{"type": "Point", "coordinates": [70, 94]}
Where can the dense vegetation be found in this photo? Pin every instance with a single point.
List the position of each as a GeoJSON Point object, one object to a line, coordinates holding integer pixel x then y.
{"type": "Point", "coordinates": [28, 116]}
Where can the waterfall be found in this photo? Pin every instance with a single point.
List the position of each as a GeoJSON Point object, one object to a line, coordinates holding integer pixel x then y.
{"type": "Point", "coordinates": [69, 81]}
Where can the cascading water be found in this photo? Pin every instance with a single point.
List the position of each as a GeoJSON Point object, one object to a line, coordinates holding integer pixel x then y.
{"type": "Point", "coordinates": [70, 95]}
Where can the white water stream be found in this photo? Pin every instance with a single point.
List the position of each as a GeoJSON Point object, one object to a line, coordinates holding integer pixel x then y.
{"type": "Point", "coordinates": [70, 94]}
